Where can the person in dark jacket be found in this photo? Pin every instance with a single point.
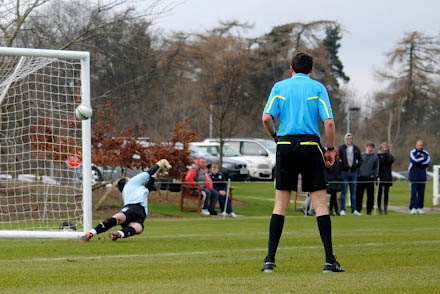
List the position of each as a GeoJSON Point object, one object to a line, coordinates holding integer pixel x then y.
{"type": "Point", "coordinates": [219, 182]}
{"type": "Point", "coordinates": [335, 181]}
{"type": "Point", "coordinates": [385, 176]}
{"type": "Point", "coordinates": [351, 160]}
{"type": "Point", "coordinates": [368, 172]}
{"type": "Point", "coordinates": [419, 160]}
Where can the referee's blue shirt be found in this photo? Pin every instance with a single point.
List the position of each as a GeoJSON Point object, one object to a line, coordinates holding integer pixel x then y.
{"type": "Point", "coordinates": [299, 101]}
{"type": "Point", "coordinates": [135, 191]}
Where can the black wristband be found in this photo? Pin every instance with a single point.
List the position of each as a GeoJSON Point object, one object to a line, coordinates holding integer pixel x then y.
{"type": "Point", "coordinates": [153, 169]}
{"type": "Point", "coordinates": [330, 148]}
{"type": "Point", "coordinates": [274, 135]}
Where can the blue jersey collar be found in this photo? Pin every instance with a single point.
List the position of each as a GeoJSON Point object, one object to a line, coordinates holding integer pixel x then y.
{"type": "Point", "coordinates": [300, 75]}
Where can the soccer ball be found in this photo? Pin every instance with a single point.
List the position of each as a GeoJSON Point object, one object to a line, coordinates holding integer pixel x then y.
{"type": "Point", "coordinates": [83, 112]}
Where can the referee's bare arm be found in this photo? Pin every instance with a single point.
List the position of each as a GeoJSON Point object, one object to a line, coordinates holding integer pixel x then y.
{"type": "Point", "coordinates": [329, 125]}
{"type": "Point", "coordinates": [269, 125]}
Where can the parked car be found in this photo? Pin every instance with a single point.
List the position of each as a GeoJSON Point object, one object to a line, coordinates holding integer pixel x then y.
{"type": "Point", "coordinates": [259, 167]}
{"type": "Point", "coordinates": [253, 148]}
{"type": "Point", "coordinates": [232, 168]}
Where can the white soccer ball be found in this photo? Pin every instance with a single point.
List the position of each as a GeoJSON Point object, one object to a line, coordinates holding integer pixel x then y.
{"type": "Point", "coordinates": [83, 112]}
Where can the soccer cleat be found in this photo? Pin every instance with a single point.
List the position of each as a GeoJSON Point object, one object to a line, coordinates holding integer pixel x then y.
{"type": "Point", "coordinates": [342, 212]}
{"type": "Point", "coordinates": [268, 267]}
{"type": "Point", "coordinates": [334, 267]}
{"type": "Point", "coordinates": [87, 236]}
{"type": "Point", "coordinates": [115, 236]}
{"type": "Point", "coordinates": [413, 211]}
{"type": "Point", "coordinates": [356, 213]}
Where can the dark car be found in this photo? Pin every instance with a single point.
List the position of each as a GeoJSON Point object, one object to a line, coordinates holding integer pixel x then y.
{"type": "Point", "coordinates": [233, 169]}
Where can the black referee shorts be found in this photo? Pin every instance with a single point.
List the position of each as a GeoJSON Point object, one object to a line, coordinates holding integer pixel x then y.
{"type": "Point", "coordinates": [300, 154]}
{"type": "Point", "coordinates": [134, 213]}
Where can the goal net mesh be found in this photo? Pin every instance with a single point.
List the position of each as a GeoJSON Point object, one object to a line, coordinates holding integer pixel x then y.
{"type": "Point", "coordinates": [40, 144]}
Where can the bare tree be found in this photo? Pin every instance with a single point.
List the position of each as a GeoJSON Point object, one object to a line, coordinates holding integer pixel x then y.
{"type": "Point", "coordinates": [220, 61]}
{"type": "Point", "coordinates": [413, 67]}
{"type": "Point", "coordinates": [13, 16]}
{"type": "Point", "coordinates": [62, 24]}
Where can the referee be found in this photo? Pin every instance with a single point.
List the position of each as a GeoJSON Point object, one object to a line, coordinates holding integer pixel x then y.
{"type": "Point", "coordinates": [299, 102]}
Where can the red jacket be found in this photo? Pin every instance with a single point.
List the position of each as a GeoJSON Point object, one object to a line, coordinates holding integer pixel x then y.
{"type": "Point", "coordinates": [192, 175]}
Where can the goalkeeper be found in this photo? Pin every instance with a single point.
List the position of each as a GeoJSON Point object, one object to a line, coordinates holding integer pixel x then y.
{"type": "Point", "coordinates": [135, 195]}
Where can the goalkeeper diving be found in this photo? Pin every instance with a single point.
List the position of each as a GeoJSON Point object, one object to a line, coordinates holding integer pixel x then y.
{"type": "Point", "coordinates": [135, 210]}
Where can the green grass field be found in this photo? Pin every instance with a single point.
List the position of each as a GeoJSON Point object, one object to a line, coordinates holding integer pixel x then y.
{"type": "Point", "coordinates": [398, 253]}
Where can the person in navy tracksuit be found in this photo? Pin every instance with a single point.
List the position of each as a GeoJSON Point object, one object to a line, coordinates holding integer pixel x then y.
{"type": "Point", "coordinates": [219, 182]}
{"type": "Point", "coordinates": [419, 160]}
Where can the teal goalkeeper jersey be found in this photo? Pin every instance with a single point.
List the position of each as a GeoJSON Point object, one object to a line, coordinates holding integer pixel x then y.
{"type": "Point", "coordinates": [299, 101]}
{"type": "Point", "coordinates": [135, 192]}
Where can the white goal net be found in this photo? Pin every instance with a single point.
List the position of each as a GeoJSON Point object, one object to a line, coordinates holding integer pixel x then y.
{"type": "Point", "coordinates": [45, 157]}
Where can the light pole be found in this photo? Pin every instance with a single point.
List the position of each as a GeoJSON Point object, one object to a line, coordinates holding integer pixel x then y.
{"type": "Point", "coordinates": [349, 110]}
{"type": "Point", "coordinates": [211, 106]}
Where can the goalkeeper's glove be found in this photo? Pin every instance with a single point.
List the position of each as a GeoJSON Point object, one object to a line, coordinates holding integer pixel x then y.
{"type": "Point", "coordinates": [164, 166]}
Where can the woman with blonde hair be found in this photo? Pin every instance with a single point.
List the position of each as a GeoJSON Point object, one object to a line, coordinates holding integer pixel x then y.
{"type": "Point", "coordinates": [385, 177]}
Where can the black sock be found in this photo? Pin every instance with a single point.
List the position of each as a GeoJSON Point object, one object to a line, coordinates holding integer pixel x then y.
{"type": "Point", "coordinates": [105, 225]}
{"type": "Point", "coordinates": [325, 230]}
{"type": "Point", "coordinates": [275, 230]}
{"type": "Point", "coordinates": [128, 232]}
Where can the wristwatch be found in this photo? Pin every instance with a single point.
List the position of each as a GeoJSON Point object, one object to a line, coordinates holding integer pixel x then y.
{"type": "Point", "coordinates": [330, 148]}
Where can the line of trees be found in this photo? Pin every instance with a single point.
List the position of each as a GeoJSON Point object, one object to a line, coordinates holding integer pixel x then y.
{"type": "Point", "coordinates": [155, 80]}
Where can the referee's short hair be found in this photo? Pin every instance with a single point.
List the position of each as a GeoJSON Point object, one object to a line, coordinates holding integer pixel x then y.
{"type": "Point", "coordinates": [302, 63]}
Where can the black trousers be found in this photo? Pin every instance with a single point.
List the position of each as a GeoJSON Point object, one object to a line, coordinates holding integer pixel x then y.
{"type": "Point", "coordinates": [386, 190]}
{"type": "Point", "coordinates": [333, 202]}
{"type": "Point", "coordinates": [365, 183]}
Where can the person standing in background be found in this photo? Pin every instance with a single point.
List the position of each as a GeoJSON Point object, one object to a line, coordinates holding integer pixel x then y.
{"type": "Point", "coordinates": [368, 173]}
{"type": "Point", "coordinates": [335, 181]}
{"type": "Point", "coordinates": [385, 176]}
{"type": "Point", "coordinates": [351, 161]}
{"type": "Point", "coordinates": [419, 160]}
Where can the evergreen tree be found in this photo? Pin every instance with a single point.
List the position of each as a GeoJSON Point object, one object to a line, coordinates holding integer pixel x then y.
{"type": "Point", "coordinates": [332, 44]}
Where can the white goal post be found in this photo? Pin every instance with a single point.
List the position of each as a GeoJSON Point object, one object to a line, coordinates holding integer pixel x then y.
{"type": "Point", "coordinates": [436, 183]}
{"type": "Point", "coordinates": [45, 151]}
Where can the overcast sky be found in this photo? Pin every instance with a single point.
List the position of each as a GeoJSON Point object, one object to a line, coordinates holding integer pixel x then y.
{"type": "Point", "coordinates": [371, 27]}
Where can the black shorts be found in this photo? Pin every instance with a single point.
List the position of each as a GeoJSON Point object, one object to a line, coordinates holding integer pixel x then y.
{"type": "Point", "coordinates": [134, 213]}
{"type": "Point", "coordinates": [300, 154]}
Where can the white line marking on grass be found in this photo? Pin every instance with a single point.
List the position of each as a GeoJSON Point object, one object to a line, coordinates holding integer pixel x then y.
{"type": "Point", "coordinates": [229, 251]}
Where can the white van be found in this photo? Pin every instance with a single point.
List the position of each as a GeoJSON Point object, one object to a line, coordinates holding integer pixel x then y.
{"type": "Point", "coordinates": [254, 148]}
{"type": "Point", "coordinates": [259, 167]}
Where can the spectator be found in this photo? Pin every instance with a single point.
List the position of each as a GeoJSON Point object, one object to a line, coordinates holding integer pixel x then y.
{"type": "Point", "coordinates": [385, 177]}
{"type": "Point", "coordinates": [198, 176]}
{"type": "Point", "coordinates": [419, 160]}
{"type": "Point", "coordinates": [351, 160]}
{"type": "Point", "coordinates": [335, 181]}
{"type": "Point", "coordinates": [218, 180]}
{"type": "Point", "coordinates": [368, 172]}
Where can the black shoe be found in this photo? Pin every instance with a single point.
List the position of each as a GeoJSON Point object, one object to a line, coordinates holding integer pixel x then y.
{"type": "Point", "coordinates": [213, 212]}
{"type": "Point", "coordinates": [268, 267]}
{"type": "Point", "coordinates": [334, 267]}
